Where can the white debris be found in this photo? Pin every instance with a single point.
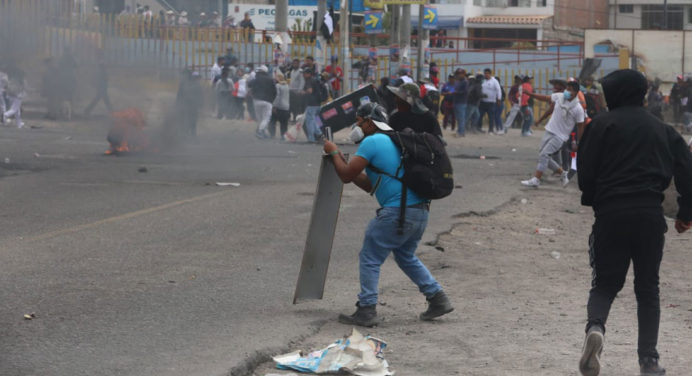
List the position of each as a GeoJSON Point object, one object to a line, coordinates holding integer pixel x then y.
{"type": "Point", "coordinates": [224, 184]}
{"type": "Point", "coordinates": [356, 355]}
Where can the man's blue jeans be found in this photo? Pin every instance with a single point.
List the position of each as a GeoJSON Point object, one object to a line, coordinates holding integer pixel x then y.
{"type": "Point", "coordinates": [527, 111]}
{"type": "Point", "coordinates": [310, 124]}
{"type": "Point", "coordinates": [498, 116]}
{"type": "Point", "coordinates": [460, 114]}
{"type": "Point", "coordinates": [381, 238]}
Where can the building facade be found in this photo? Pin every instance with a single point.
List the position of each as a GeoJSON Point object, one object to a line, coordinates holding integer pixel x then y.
{"type": "Point", "coordinates": [651, 15]}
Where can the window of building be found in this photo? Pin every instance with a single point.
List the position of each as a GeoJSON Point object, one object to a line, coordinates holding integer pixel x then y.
{"type": "Point", "coordinates": [689, 15]}
{"type": "Point", "coordinates": [652, 17]}
{"type": "Point", "coordinates": [519, 3]}
{"type": "Point", "coordinates": [626, 8]}
{"type": "Point", "coordinates": [496, 3]}
{"type": "Point", "coordinates": [478, 2]}
{"type": "Point", "coordinates": [541, 3]}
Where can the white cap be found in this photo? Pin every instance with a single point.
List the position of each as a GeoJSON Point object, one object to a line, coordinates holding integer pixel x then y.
{"type": "Point", "coordinates": [263, 68]}
{"type": "Point", "coordinates": [382, 126]}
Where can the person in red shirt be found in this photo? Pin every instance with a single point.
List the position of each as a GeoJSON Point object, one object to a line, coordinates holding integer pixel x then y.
{"type": "Point", "coordinates": [336, 75]}
{"type": "Point", "coordinates": [526, 105]}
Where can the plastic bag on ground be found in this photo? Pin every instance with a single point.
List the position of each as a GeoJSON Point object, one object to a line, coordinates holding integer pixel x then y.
{"type": "Point", "coordinates": [356, 354]}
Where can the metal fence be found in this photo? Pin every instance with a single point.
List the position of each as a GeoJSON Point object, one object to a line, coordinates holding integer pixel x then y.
{"type": "Point", "coordinates": [43, 28]}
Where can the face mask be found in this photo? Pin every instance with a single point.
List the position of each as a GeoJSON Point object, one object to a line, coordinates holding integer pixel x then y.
{"type": "Point", "coordinates": [567, 95]}
{"type": "Point", "coordinates": [357, 134]}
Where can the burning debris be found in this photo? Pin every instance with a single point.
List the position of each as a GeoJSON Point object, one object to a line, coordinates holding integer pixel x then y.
{"type": "Point", "coordinates": [126, 133]}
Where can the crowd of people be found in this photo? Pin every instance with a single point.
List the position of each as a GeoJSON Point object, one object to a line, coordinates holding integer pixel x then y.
{"type": "Point", "coordinates": [279, 96]}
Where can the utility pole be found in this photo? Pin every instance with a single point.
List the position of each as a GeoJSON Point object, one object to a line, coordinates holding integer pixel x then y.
{"type": "Point", "coordinates": [394, 41]}
{"type": "Point", "coordinates": [281, 23]}
{"type": "Point", "coordinates": [665, 14]}
{"type": "Point", "coordinates": [344, 60]}
{"type": "Point", "coordinates": [422, 41]}
{"type": "Point", "coordinates": [405, 33]}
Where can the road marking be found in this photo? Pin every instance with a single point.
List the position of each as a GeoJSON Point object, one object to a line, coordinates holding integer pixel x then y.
{"type": "Point", "coordinates": [121, 217]}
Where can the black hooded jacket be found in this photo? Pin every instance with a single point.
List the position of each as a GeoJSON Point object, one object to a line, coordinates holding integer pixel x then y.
{"type": "Point", "coordinates": [627, 156]}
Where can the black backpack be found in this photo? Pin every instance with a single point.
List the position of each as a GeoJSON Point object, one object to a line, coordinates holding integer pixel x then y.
{"type": "Point", "coordinates": [427, 168]}
{"type": "Point", "coordinates": [324, 92]}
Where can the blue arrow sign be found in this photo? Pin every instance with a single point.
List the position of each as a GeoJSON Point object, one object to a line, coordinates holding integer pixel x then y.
{"type": "Point", "coordinates": [429, 17]}
{"type": "Point", "coordinates": [373, 22]}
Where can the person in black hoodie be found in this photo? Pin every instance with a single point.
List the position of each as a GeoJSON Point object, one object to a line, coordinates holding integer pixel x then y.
{"type": "Point", "coordinates": [627, 158]}
{"type": "Point", "coordinates": [263, 92]}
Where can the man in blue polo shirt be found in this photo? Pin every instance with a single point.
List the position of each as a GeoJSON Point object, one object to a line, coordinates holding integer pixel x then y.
{"type": "Point", "coordinates": [382, 235]}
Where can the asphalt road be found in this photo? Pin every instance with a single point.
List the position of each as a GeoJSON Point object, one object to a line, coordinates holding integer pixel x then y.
{"type": "Point", "coordinates": [162, 273]}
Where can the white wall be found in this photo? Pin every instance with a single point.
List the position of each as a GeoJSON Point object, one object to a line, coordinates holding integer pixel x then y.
{"type": "Point", "coordinates": [533, 10]}
{"type": "Point", "coordinates": [625, 20]}
{"type": "Point", "coordinates": [660, 52]}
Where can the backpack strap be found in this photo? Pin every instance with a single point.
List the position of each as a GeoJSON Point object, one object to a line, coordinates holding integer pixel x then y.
{"type": "Point", "coordinates": [402, 203]}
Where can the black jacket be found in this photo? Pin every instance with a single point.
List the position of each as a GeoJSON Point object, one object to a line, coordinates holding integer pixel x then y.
{"type": "Point", "coordinates": [263, 87]}
{"type": "Point", "coordinates": [627, 158]}
{"type": "Point", "coordinates": [417, 122]}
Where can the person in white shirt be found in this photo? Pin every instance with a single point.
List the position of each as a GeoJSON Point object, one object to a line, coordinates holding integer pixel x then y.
{"type": "Point", "coordinates": [224, 89]}
{"type": "Point", "coordinates": [182, 20]}
{"type": "Point", "coordinates": [568, 112]}
{"type": "Point", "coordinates": [16, 91]}
{"type": "Point", "coordinates": [216, 69]}
{"type": "Point", "coordinates": [492, 95]}
{"type": "Point", "coordinates": [4, 81]}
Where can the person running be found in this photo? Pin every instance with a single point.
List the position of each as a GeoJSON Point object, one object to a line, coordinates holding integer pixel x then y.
{"type": "Point", "coordinates": [627, 158]}
{"type": "Point", "coordinates": [568, 113]}
{"type": "Point", "coordinates": [263, 91]}
{"type": "Point", "coordinates": [381, 236]}
{"type": "Point", "coordinates": [514, 97]}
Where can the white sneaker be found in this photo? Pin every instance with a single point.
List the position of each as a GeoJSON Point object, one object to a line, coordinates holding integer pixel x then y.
{"type": "Point", "coordinates": [20, 125]}
{"type": "Point", "coordinates": [500, 132]}
{"type": "Point", "coordinates": [533, 182]}
{"type": "Point", "coordinates": [564, 178]}
{"type": "Point", "coordinates": [590, 362]}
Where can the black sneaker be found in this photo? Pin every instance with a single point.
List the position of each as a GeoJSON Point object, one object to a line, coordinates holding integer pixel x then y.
{"type": "Point", "coordinates": [438, 305]}
{"type": "Point", "coordinates": [590, 362]}
{"type": "Point", "coordinates": [648, 366]}
{"type": "Point", "coordinates": [364, 316]}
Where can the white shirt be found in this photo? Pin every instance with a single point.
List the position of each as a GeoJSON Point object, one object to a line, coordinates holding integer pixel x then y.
{"type": "Point", "coordinates": [406, 79]}
{"type": "Point", "coordinates": [297, 80]}
{"type": "Point", "coordinates": [565, 116]}
{"type": "Point", "coordinates": [215, 71]}
{"type": "Point", "coordinates": [242, 88]}
{"type": "Point", "coordinates": [430, 87]}
{"type": "Point", "coordinates": [491, 90]}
